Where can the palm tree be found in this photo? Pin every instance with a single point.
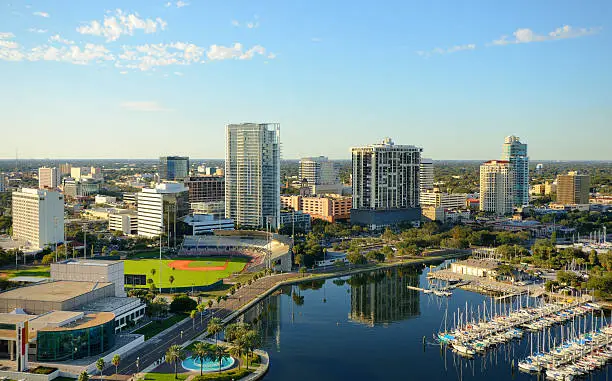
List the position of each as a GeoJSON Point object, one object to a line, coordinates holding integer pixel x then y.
{"type": "Point", "coordinates": [171, 280]}
{"type": "Point", "coordinates": [219, 299]}
{"type": "Point", "coordinates": [231, 332]}
{"type": "Point", "coordinates": [218, 354]}
{"type": "Point", "coordinates": [115, 361]}
{"type": "Point", "coordinates": [153, 271]}
{"type": "Point", "coordinates": [193, 315]}
{"type": "Point", "coordinates": [100, 365]}
{"type": "Point", "coordinates": [236, 351]}
{"type": "Point", "coordinates": [83, 376]}
{"type": "Point", "coordinates": [174, 354]}
{"type": "Point", "coordinates": [210, 303]}
{"type": "Point", "coordinates": [201, 308]}
{"type": "Point", "coordinates": [214, 327]}
{"type": "Point", "coordinates": [201, 351]}
{"type": "Point", "coordinates": [252, 340]}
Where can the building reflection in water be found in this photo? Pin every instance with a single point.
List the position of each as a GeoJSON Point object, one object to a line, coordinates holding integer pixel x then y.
{"type": "Point", "coordinates": [383, 296]}
{"type": "Point", "coordinates": [265, 316]}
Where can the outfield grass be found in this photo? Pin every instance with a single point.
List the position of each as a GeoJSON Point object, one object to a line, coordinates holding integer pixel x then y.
{"type": "Point", "coordinates": [185, 278]}
{"type": "Point", "coordinates": [42, 271]}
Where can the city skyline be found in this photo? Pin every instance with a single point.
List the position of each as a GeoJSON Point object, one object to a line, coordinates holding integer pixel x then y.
{"type": "Point", "coordinates": [453, 78]}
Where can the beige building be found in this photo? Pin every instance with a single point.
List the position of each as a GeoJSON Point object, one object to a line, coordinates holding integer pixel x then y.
{"type": "Point", "coordinates": [125, 221]}
{"type": "Point", "coordinates": [496, 189]}
{"type": "Point", "coordinates": [546, 189]}
{"type": "Point", "coordinates": [328, 207]}
{"type": "Point", "coordinates": [445, 215]}
{"type": "Point", "coordinates": [573, 189]}
{"type": "Point", "coordinates": [89, 270]}
{"type": "Point", "coordinates": [48, 178]}
{"type": "Point", "coordinates": [38, 216]}
{"type": "Point", "coordinates": [475, 267]}
{"type": "Point", "coordinates": [444, 200]}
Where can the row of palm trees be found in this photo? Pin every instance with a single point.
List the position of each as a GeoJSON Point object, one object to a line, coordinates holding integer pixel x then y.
{"type": "Point", "coordinates": [243, 341]}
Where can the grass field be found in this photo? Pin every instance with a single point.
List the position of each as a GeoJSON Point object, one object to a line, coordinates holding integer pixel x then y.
{"type": "Point", "coordinates": [38, 271]}
{"type": "Point", "coordinates": [197, 272]}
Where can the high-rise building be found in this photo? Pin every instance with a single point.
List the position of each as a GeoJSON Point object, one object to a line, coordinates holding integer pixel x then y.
{"type": "Point", "coordinates": [38, 216]}
{"type": "Point", "coordinates": [161, 208]}
{"type": "Point", "coordinates": [386, 184]}
{"type": "Point", "coordinates": [173, 167]}
{"type": "Point", "coordinates": [318, 171]}
{"type": "Point", "coordinates": [573, 189]}
{"type": "Point", "coordinates": [516, 153]}
{"type": "Point", "coordinates": [65, 168]}
{"type": "Point", "coordinates": [205, 188]}
{"type": "Point", "coordinates": [426, 174]}
{"type": "Point", "coordinates": [496, 185]}
{"type": "Point", "coordinates": [3, 183]}
{"type": "Point", "coordinates": [252, 174]}
{"type": "Point", "coordinates": [48, 178]}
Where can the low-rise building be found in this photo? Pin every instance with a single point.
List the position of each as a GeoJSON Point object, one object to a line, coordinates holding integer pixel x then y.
{"type": "Point", "coordinates": [445, 200]}
{"type": "Point", "coordinates": [81, 188]}
{"type": "Point", "coordinates": [475, 267]}
{"type": "Point", "coordinates": [102, 199]}
{"type": "Point", "coordinates": [207, 223]}
{"type": "Point", "coordinates": [125, 221]}
{"type": "Point", "coordinates": [330, 208]}
{"type": "Point", "coordinates": [446, 215]}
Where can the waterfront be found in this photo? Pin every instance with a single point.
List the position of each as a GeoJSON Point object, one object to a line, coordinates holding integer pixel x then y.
{"type": "Point", "coordinates": [371, 327]}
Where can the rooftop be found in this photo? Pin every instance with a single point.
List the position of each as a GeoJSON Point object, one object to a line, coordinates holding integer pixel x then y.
{"type": "Point", "coordinates": [483, 264]}
{"type": "Point", "coordinates": [89, 320]}
{"type": "Point", "coordinates": [89, 262]}
{"type": "Point", "coordinates": [53, 291]}
{"type": "Point", "coordinates": [108, 304]}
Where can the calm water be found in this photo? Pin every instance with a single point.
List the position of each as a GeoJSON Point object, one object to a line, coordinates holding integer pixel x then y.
{"type": "Point", "coordinates": [371, 327]}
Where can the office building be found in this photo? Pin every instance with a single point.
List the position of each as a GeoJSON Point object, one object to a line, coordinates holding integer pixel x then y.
{"type": "Point", "coordinates": [84, 187]}
{"type": "Point", "coordinates": [162, 207]}
{"type": "Point", "coordinates": [426, 174]}
{"type": "Point", "coordinates": [215, 208]}
{"type": "Point", "coordinates": [496, 187]}
{"type": "Point", "coordinates": [38, 216]}
{"type": "Point", "coordinates": [173, 168]}
{"type": "Point", "coordinates": [546, 189]}
{"type": "Point", "coordinates": [3, 183]}
{"type": "Point", "coordinates": [516, 153]}
{"type": "Point", "coordinates": [444, 200]}
{"type": "Point", "coordinates": [252, 174]}
{"type": "Point", "coordinates": [65, 169]}
{"type": "Point", "coordinates": [386, 184]}
{"type": "Point", "coordinates": [206, 188]}
{"type": "Point", "coordinates": [573, 189]}
{"type": "Point", "coordinates": [207, 223]}
{"type": "Point", "coordinates": [330, 208]}
{"type": "Point", "coordinates": [48, 178]}
{"type": "Point", "coordinates": [125, 221]}
{"type": "Point", "coordinates": [295, 220]}
{"type": "Point", "coordinates": [445, 215]}
{"type": "Point", "coordinates": [318, 171]}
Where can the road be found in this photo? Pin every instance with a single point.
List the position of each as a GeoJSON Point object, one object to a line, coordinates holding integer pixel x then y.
{"type": "Point", "coordinates": [154, 348]}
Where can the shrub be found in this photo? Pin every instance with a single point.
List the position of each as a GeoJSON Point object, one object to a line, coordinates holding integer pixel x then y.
{"type": "Point", "coordinates": [183, 303]}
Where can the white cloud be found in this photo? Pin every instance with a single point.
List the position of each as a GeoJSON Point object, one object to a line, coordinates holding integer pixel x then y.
{"type": "Point", "coordinates": [90, 53]}
{"type": "Point", "coordinates": [453, 49]}
{"type": "Point", "coordinates": [145, 106]}
{"type": "Point", "coordinates": [42, 14]}
{"type": "Point", "coordinates": [217, 52]}
{"type": "Point", "coordinates": [6, 35]}
{"type": "Point", "coordinates": [168, 4]}
{"type": "Point", "coordinates": [181, 4]}
{"type": "Point", "coordinates": [526, 35]}
{"type": "Point", "coordinates": [252, 25]}
{"type": "Point", "coordinates": [249, 24]}
{"type": "Point", "coordinates": [235, 23]}
{"type": "Point", "coordinates": [272, 56]}
{"type": "Point", "coordinates": [9, 44]}
{"type": "Point", "coordinates": [34, 30]}
{"type": "Point", "coordinates": [121, 23]}
{"type": "Point", "coordinates": [58, 38]}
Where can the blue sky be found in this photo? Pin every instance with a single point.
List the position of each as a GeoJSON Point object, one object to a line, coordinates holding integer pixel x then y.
{"type": "Point", "coordinates": [140, 79]}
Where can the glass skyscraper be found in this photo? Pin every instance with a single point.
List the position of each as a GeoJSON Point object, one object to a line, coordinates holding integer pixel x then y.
{"type": "Point", "coordinates": [173, 167]}
{"type": "Point", "coordinates": [516, 153]}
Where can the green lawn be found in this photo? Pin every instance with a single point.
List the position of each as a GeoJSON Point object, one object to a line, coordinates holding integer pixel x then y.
{"type": "Point", "coordinates": [42, 271]}
{"type": "Point", "coordinates": [164, 377]}
{"type": "Point", "coordinates": [158, 326]}
{"type": "Point", "coordinates": [185, 278]}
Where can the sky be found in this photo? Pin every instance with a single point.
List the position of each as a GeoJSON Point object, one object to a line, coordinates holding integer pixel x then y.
{"type": "Point", "coordinates": [142, 79]}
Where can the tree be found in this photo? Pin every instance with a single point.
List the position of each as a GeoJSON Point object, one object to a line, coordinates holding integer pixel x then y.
{"type": "Point", "coordinates": [218, 354]}
{"type": "Point", "coordinates": [201, 352]}
{"type": "Point", "coordinates": [171, 280]}
{"type": "Point", "coordinates": [193, 315]}
{"type": "Point", "coordinates": [214, 327]}
{"type": "Point", "coordinates": [100, 365]}
{"type": "Point", "coordinates": [182, 303]}
{"type": "Point", "coordinates": [83, 376]}
{"type": "Point", "coordinates": [115, 361]}
{"type": "Point", "coordinates": [210, 303]}
{"type": "Point", "coordinates": [302, 271]}
{"type": "Point", "coordinates": [593, 259]}
{"type": "Point", "coordinates": [104, 249]}
{"type": "Point", "coordinates": [153, 271]}
{"type": "Point", "coordinates": [252, 341]}
{"type": "Point", "coordinates": [174, 355]}
{"type": "Point", "coordinates": [356, 258]}
{"type": "Point", "coordinates": [201, 308]}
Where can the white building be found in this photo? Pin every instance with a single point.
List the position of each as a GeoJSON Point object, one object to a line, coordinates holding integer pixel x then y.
{"type": "Point", "coordinates": [161, 206]}
{"type": "Point", "coordinates": [318, 171]}
{"type": "Point", "coordinates": [123, 221]}
{"type": "Point", "coordinates": [48, 178]}
{"type": "Point", "coordinates": [426, 174]}
{"type": "Point", "coordinates": [102, 199]}
{"type": "Point", "coordinates": [38, 216]}
{"type": "Point", "coordinates": [496, 187]}
{"type": "Point", "coordinates": [516, 153]}
{"type": "Point", "coordinates": [206, 223]}
{"type": "Point", "coordinates": [475, 267]}
{"type": "Point", "coordinates": [252, 174]}
{"type": "Point", "coordinates": [445, 200]}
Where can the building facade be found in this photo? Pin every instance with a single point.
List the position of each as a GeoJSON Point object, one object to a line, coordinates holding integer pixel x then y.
{"type": "Point", "coordinates": [124, 221]}
{"type": "Point", "coordinates": [81, 188]}
{"type": "Point", "coordinates": [444, 200]}
{"type": "Point", "coordinates": [318, 171]}
{"type": "Point", "coordinates": [386, 184]}
{"type": "Point", "coordinates": [3, 183]}
{"type": "Point", "coordinates": [426, 174]}
{"type": "Point", "coordinates": [516, 153]}
{"type": "Point", "coordinates": [297, 219]}
{"type": "Point", "coordinates": [38, 216]}
{"type": "Point", "coordinates": [330, 208]}
{"type": "Point", "coordinates": [207, 223]}
{"type": "Point", "coordinates": [173, 168]}
{"type": "Point", "coordinates": [65, 169]}
{"type": "Point", "coordinates": [573, 189]}
{"type": "Point", "coordinates": [206, 188]}
{"type": "Point", "coordinates": [496, 187]}
{"type": "Point", "coordinates": [48, 178]}
{"type": "Point", "coordinates": [160, 208]}
{"type": "Point", "coordinates": [252, 174]}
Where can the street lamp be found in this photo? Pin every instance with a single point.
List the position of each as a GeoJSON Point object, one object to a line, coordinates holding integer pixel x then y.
{"type": "Point", "coordinates": [138, 364]}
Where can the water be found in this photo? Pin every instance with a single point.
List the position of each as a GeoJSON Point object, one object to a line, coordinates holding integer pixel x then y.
{"type": "Point", "coordinates": [208, 366]}
{"type": "Point", "coordinates": [371, 327]}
